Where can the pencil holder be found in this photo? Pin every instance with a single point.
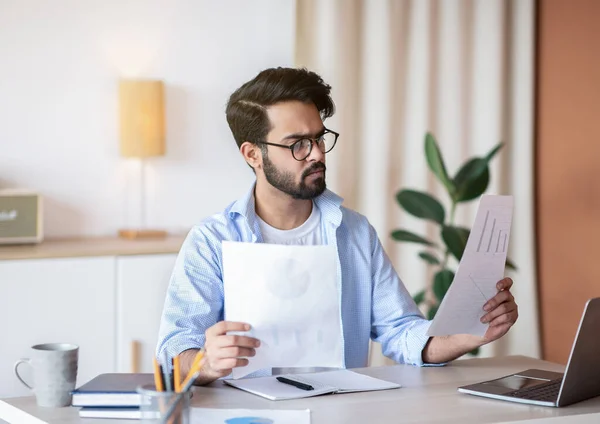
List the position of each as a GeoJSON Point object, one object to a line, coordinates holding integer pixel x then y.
{"type": "Point", "coordinates": [164, 407]}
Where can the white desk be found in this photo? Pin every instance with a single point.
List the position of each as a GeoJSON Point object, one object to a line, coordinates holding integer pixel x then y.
{"type": "Point", "coordinates": [428, 395]}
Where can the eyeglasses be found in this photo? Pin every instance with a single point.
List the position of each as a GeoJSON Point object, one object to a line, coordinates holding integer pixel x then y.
{"type": "Point", "coordinates": [302, 148]}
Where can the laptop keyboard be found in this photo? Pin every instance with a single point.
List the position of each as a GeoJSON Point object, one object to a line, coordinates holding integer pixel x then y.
{"type": "Point", "coordinates": [546, 392]}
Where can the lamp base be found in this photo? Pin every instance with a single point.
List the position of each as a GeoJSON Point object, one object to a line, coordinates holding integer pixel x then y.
{"type": "Point", "coordinates": [132, 234]}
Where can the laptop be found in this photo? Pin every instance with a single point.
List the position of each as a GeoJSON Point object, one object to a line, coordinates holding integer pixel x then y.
{"type": "Point", "coordinates": [580, 381]}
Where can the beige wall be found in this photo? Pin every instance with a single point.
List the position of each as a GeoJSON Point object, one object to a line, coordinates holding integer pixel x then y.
{"type": "Point", "coordinates": [568, 164]}
{"type": "Point", "coordinates": [60, 63]}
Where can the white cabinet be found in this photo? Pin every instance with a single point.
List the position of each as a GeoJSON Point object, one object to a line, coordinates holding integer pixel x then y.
{"type": "Point", "coordinates": [102, 303]}
{"type": "Point", "coordinates": [68, 300]}
{"type": "Point", "coordinates": [142, 283]}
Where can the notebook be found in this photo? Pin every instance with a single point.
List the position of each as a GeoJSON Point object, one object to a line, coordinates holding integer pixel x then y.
{"type": "Point", "coordinates": [125, 412]}
{"type": "Point", "coordinates": [338, 381]}
{"type": "Point", "coordinates": [118, 389]}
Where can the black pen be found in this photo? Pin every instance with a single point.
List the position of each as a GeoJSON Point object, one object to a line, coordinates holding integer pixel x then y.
{"type": "Point", "coordinates": [295, 383]}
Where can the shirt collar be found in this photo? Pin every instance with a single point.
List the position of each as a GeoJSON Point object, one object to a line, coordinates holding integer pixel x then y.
{"type": "Point", "coordinates": [328, 203]}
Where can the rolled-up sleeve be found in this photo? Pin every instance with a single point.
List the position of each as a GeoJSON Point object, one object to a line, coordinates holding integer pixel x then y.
{"type": "Point", "coordinates": [194, 300]}
{"type": "Point", "coordinates": [397, 322]}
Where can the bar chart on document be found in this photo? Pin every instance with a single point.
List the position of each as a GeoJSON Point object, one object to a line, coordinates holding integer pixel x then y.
{"type": "Point", "coordinates": [480, 268]}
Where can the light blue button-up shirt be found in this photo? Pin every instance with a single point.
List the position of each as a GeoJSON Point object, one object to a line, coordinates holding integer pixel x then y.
{"type": "Point", "coordinates": [374, 302]}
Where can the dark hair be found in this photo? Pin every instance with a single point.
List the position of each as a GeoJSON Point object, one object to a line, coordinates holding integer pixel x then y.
{"type": "Point", "coordinates": [246, 109]}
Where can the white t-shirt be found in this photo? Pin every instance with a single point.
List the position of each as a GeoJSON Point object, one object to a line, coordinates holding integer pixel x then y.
{"type": "Point", "coordinates": [309, 233]}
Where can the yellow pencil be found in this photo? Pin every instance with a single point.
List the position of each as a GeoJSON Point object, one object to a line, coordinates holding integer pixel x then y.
{"type": "Point", "coordinates": [196, 366]}
{"type": "Point", "coordinates": [198, 357]}
{"type": "Point", "coordinates": [176, 374]}
{"type": "Point", "coordinates": [158, 383]}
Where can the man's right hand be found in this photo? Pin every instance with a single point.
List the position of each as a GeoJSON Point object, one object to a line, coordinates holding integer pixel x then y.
{"type": "Point", "coordinates": [223, 352]}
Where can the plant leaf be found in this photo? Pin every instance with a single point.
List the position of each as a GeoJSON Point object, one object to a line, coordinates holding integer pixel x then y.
{"type": "Point", "coordinates": [472, 180]}
{"type": "Point", "coordinates": [403, 235]}
{"type": "Point", "coordinates": [429, 258]}
{"type": "Point", "coordinates": [431, 312]}
{"type": "Point", "coordinates": [493, 152]}
{"type": "Point", "coordinates": [421, 205]}
{"type": "Point", "coordinates": [473, 177]}
{"type": "Point", "coordinates": [511, 265]}
{"type": "Point", "coordinates": [441, 283]}
{"type": "Point", "coordinates": [436, 163]}
{"type": "Point", "coordinates": [419, 297]}
{"type": "Point", "coordinates": [476, 166]}
{"type": "Point", "coordinates": [471, 170]}
{"type": "Point", "coordinates": [476, 188]}
{"type": "Point", "coordinates": [455, 239]}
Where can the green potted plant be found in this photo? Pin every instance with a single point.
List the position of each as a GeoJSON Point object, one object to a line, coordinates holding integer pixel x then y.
{"type": "Point", "coordinates": [469, 183]}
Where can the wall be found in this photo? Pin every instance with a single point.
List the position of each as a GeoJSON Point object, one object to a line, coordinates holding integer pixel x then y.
{"type": "Point", "coordinates": [568, 189]}
{"type": "Point", "coordinates": [60, 62]}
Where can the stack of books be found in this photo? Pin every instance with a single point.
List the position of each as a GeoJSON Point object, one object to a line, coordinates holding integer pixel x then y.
{"type": "Point", "coordinates": [116, 395]}
{"type": "Point", "coordinates": [111, 396]}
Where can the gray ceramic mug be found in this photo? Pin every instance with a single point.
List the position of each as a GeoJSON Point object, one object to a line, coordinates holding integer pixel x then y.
{"type": "Point", "coordinates": [54, 372]}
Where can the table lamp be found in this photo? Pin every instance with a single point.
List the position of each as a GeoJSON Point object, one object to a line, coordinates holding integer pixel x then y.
{"type": "Point", "coordinates": [142, 129]}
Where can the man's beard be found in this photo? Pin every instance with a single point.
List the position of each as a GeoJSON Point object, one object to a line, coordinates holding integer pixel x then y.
{"type": "Point", "coordinates": [284, 181]}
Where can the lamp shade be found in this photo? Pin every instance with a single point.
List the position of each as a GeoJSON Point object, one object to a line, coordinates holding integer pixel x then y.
{"type": "Point", "coordinates": [142, 118]}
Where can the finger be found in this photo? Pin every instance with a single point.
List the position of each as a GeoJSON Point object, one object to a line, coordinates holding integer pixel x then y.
{"type": "Point", "coordinates": [502, 309]}
{"type": "Point", "coordinates": [222, 365]}
{"type": "Point", "coordinates": [223, 327]}
{"type": "Point", "coordinates": [506, 319]}
{"type": "Point", "coordinates": [504, 284]}
{"type": "Point", "coordinates": [234, 352]}
{"type": "Point", "coordinates": [501, 297]}
{"type": "Point", "coordinates": [235, 340]}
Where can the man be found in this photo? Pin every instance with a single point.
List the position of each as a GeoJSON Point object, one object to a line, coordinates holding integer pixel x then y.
{"type": "Point", "coordinates": [277, 120]}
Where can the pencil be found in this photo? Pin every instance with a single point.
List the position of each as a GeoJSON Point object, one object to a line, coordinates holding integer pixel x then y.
{"type": "Point", "coordinates": [190, 381]}
{"type": "Point", "coordinates": [194, 370]}
{"type": "Point", "coordinates": [158, 383]}
{"type": "Point", "coordinates": [198, 357]}
{"type": "Point", "coordinates": [176, 374]}
{"type": "Point", "coordinates": [166, 373]}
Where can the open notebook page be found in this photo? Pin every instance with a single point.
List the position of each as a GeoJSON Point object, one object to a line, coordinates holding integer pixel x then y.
{"type": "Point", "coordinates": [270, 388]}
{"type": "Point", "coordinates": [346, 381]}
{"type": "Point", "coordinates": [340, 381]}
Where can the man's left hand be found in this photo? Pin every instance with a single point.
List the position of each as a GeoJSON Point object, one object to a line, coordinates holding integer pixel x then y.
{"type": "Point", "coordinates": [502, 311]}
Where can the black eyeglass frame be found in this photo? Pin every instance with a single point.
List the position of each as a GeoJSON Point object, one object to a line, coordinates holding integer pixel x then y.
{"type": "Point", "coordinates": [312, 142]}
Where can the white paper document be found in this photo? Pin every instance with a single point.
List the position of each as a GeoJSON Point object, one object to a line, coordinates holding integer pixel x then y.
{"type": "Point", "coordinates": [479, 270]}
{"type": "Point", "coordinates": [249, 416]}
{"type": "Point", "coordinates": [339, 381]}
{"type": "Point", "coordinates": [289, 295]}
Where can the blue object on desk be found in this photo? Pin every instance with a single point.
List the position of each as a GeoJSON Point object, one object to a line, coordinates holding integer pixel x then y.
{"type": "Point", "coordinates": [249, 420]}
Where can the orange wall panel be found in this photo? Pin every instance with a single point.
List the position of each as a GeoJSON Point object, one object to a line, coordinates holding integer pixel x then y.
{"type": "Point", "coordinates": [568, 167]}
